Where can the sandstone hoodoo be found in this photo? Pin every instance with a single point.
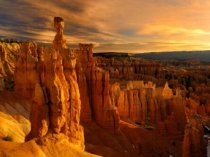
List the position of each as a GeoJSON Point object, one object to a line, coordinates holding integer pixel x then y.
{"type": "Point", "coordinates": [59, 88]}
{"type": "Point", "coordinates": [105, 104]}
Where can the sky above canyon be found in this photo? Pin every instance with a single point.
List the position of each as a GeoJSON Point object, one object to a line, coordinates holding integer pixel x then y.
{"type": "Point", "coordinates": [112, 25]}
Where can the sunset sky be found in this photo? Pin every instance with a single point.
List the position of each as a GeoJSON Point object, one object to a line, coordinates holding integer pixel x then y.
{"type": "Point", "coordinates": [112, 25]}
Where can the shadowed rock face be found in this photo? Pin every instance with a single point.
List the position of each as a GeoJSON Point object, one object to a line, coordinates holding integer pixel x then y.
{"type": "Point", "coordinates": [94, 84]}
{"type": "Point", "coordinates": [193, 142]}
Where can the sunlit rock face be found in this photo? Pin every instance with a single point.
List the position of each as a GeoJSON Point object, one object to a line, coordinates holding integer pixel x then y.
{"type": "Point", "coordinates": [9, 53]}
{"type": "Point", "coordinates": [14, 117]}
{"type": "Point", "coordinates": [52, 145]}
{"type": "Point", "coordinates": [48, 76]}
{"type": "Point", "coordinates": [64, 86]}
{"type": "Point", "coordinates": [144, 103]}
{"type": "Point", "coordinates": [10, 123]}
{"type": "Point", "coordinates": [60, 81]}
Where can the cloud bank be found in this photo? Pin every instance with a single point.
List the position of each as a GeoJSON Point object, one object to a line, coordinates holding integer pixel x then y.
{"type": "Point", "coordinates": [112, 25]}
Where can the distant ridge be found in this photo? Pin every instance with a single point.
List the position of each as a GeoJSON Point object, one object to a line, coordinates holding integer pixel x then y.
{"type": "Point", "coordinates": [203, 56]}
{"type": "Point", "coordinates": [114, 54]}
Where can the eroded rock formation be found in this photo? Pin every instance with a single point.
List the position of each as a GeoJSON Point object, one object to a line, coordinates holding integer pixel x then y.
{"type": "Point", "coordinates": [144, 103]}
{"type": "Point", "coordinates": [59, 42]}
{"type": "Point", "coordinates": [128, 68]}
{"type": "Point", "coordinates": [193, 143]}
{"type": "Point", "coordinates": [26, 75]}
{"type": "Point", "coordinates": [126, 96]}
{"type": "Point", "coordinates": [94, 85]}
{"type": "Point", "coordinates": [49, 77]}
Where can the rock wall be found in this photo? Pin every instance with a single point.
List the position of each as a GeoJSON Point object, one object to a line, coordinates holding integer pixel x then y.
{"type": "Point", "coordinates": [95, 90]}
{"type": "Point", "coordinates": [84, 67]}
{"type": "Point", "coordinates": [144, 103]}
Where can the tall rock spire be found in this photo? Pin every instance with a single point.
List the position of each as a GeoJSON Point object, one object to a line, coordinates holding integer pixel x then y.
{"type": "Point", "coordinates": [59, 42]}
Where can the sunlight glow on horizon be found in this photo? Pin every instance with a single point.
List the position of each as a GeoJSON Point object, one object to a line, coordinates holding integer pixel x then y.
{"type": "Point", "coordinates": [117, 25]}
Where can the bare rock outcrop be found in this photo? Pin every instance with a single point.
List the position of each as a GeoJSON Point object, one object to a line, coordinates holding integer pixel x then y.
{"type": "Point", "coordinates": [49, 77]}
{"type": "Point", "coordinates": [144, 103]}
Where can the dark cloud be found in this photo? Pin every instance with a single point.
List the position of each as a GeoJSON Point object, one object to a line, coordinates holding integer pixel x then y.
{"type": "Point", "coordinates": [28, 18]}
{"type": "Point", "coordinates": [74, 6]}
{"type": "Point", "coordinates": [119, 25]}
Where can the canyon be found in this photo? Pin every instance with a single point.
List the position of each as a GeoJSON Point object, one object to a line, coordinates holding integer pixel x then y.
{"type": "Point", "coordinates": [71, 102]}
